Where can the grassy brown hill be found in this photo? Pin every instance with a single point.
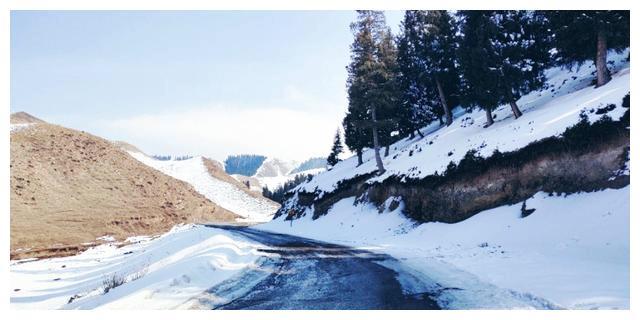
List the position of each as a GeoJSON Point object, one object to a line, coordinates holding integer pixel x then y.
{"type": "Point", "coordinates": [23, 117]}
{"type": "Point", "coordinates": [127, 146]}
{"type": "Point", "coordinates": [70, 187]}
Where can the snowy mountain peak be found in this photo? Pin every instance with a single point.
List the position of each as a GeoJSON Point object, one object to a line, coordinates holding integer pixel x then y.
{"type": "Point", "coordinates": [274, 167]}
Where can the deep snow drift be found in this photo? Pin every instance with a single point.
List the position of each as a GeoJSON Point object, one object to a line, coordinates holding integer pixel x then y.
{"type": "Point", "coordinates": [159, 273]}
{"type": "Point", "coordinates": [226, 195]}
{"type": "Point", "coordinates": [571, 252]}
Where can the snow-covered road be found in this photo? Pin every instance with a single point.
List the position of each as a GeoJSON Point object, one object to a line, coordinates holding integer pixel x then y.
{"type": "Point", "coordinates": [300, 273]}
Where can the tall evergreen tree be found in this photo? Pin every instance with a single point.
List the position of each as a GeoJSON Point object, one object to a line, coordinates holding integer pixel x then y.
{"type": "Point", "coordinates": [437, 50]}
{"type": "Point", "coordinates": [369, 82]}
{"type": "Point", "coordinates": [366, 31]}
{"type": "Point", "coordinates": [478, 62]}
{"type": "Point", "coordinates": [523, 42]}
{"type": "Point", "coordinates": [388, 96]}
{"type": "Point", "coordinates": [587, 35]}
{"type": "Point", "coordinates": [416, 111]}
{"type": "Point", "coordinates": [426, 56]}
{"type": "Point", "coordinates": [336, 150]}
{"type": "Point", "coordinates": [503, 55]}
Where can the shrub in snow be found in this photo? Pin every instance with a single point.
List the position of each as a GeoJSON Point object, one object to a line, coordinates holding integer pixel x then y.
{"type": "Point", "coordinates": [116, 280]}
{"type": "Point", "coordinates": [111, 282]}
{"type": "Point", "coordinates": [524, 212]}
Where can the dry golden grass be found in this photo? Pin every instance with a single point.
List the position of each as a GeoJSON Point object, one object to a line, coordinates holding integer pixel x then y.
{"type": "Point", "coordinates": [70, 187]}
{"type": "Point", "coordinates": [23, 117]}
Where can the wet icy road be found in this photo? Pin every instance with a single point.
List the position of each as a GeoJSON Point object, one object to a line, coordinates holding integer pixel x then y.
{"type": "Point", "coordinates": [300, 273]}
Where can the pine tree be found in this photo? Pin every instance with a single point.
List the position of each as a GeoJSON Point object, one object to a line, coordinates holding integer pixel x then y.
{"type": "Point", "coordinates": [427, 57]}
{"type": "Point", "coordinates": [438, 53]}
{"type": "Point", "coordinates": [522, 41]}
{"type": "Point", "coordinates": [358, 82]}
{"type": "Point", "coordinates": [416, 108]}
{"type": "Point", "coordinates": [336, 150]}
{"type": "Point", "coordinates": [478, 62]}
{"type": "Point", "coordinates": [369, 83]}
{"type": "Point", "coordinates": [356, 138]}
{"type": "Point", "coordinates": [503, 55]}
{"type": "Point", "coordinates": [389, 93]}
{"type": "Point", "coordinates": [587, 35]}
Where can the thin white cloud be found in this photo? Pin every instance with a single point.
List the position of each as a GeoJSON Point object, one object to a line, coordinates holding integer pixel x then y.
{"type": "Point", "coordinates": [218, 131]}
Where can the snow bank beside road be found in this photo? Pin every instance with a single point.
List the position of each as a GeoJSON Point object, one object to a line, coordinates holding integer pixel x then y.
{"type": "Point", "coordinates": [571, 251]}
{"type": "Point", "coordinates": [161, 273]}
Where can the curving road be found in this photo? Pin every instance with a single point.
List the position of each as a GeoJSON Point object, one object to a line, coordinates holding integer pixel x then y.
{"type": "Point", "coordinates": [299, 273]}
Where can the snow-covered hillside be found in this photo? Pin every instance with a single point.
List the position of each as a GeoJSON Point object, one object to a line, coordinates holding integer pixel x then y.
{"type": "Point", "coordinates": [273, 167]}
{"type": "Point", "coordinates": [252, 208]}
{"type": "Point", "coordinates": [572, 250]}
{"type": "Point", "coordinates": [546, 113]}
{"type": "Point", "coordinates": [159, 273]}
{"type": "Point", "coordinates": [274, 172]}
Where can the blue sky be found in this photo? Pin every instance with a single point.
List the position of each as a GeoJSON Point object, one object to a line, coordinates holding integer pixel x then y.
{"type": "Point", "coordinates": [188, 82]}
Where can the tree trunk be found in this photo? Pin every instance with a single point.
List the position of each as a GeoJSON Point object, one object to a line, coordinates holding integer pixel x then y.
{"type": "Point", "coordinates": [489, 117]}
{"type": "Point", "coordinates": [514, 106]}
{"type": "Point", "coordinates": [386, 151]}
{"type": "Point", "coordinates": [420, 133]}
{"type": "Point", "coordinates": [443, 101]}
{"type": "Point", "coordinates": [412, 135]}
{"type": "Point", "coordinates": [601, 60]}
{"type": "Point", "coordinates": [359, 153]}
{"type": "Point", "coordinates": [376, 143]}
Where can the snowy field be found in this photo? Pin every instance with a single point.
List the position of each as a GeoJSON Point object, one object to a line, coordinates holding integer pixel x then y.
{"type": "Point", "coordinates": [546, 113]}
{"type": "Point", "coordinates": [159, 273]}
{"type": "Point", "coordinates": [571, 252]}
{"type": "Point", "coordinates": [224, 194]}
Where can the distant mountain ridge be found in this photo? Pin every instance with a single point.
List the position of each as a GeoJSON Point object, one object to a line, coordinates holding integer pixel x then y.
{"type": "Point", "coordinates": [259, 172]}
{"type": "Point", "coordinates": [312, 163]}
{"type": "Point", "coordinates": [244, 164]}
{"type": "Point", "coordinates": [274, 167]}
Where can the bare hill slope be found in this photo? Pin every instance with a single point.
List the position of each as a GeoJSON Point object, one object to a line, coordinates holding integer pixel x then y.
{"type": "Point", "coordinates": [70, 187]}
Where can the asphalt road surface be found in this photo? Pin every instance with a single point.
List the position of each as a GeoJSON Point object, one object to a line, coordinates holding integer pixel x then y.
{"type": "Point", "coordinates": [299, 273]}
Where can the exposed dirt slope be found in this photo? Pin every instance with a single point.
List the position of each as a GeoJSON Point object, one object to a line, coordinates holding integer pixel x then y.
{"type": "Point", "coordinates": [70, 187]}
